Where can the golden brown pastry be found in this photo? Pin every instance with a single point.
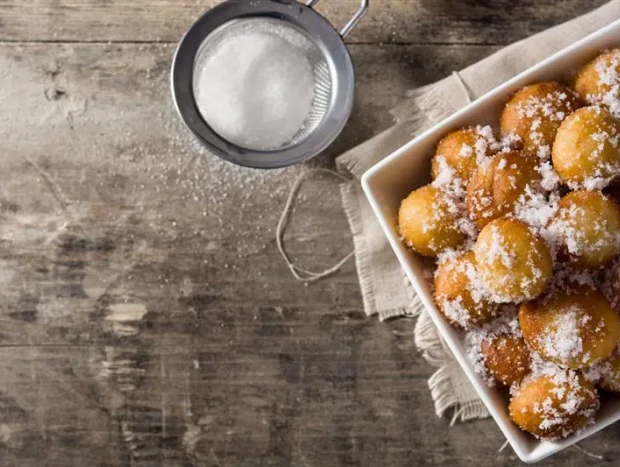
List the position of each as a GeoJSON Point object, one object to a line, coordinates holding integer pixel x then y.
{"type": "Point", "coordinates": [554, 406]}
{"type": "Point", "coordinates": [599, 81]}
{"type": "Point", "coordinates": [428, 221]}
{"type": "Point", "coordinates": [460, 152]}
{"type": "Point", "coordinates": [609, 371]}
{"type": "Point", "coordinates": [496, 186]}
{"type": "Point", "coordinates": [514, 261]}
{"type": "Point", "coordinates": [586, 228]}
{"type": "Point", "coordinates": [507, 358]}
{"type": "Point", "coordinates": [458, 294]}
{"type": "Point", "coordinates": [586, 151]}
{"type": "Point", "coordinates": [573, 328]}
{"type": "Point", "coordinates": [535, 113]}
{"type": "Point", "coordinates": [612, 287]}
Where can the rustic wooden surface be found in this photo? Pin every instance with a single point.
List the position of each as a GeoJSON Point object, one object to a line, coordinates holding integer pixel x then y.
{"type": "Point", "coordinates": [146, 318]}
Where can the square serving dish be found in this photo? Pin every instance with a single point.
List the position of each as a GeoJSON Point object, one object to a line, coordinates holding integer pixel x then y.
{"type": "Point", "coordinates": [392, 179]}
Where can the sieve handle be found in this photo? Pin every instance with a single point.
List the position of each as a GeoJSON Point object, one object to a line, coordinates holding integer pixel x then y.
{"type": "Point", "coordinates": [353, 21]}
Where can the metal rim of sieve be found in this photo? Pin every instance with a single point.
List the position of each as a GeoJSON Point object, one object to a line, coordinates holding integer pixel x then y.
{"type": "Point", "coordinates": [300, 16]}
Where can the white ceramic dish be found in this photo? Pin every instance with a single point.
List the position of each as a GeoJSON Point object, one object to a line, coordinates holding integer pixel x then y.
{"type": "Point", "coordinates": [389, 181]}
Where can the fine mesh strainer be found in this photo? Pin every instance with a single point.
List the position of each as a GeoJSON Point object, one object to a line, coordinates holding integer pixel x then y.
{"type": "Point", "coordinates": [309, 34]}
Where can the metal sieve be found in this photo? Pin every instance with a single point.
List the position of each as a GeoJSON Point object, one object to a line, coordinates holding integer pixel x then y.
{"type": "Point", "coordinates": [309, 34]}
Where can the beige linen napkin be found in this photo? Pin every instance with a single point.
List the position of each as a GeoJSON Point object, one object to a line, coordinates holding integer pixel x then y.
{"type": "Point", "coordinates": [380, 275]}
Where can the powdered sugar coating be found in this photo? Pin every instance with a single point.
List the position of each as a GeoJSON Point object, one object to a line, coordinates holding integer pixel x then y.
{"type": "Point", "coordinates": [586, 228]}
{"type": "Point", "coordinates": [554, 405]}
{"type": "Point", "coordinates": [537, 206]}
{"type": "Point", "coordinates": [599, 81]}
{"type": "Point", "coordinates": [606, 374]}
{"type": "Point", "coordinates": [497, 350]}
{"type": "Point", "coordinates": [586, 151]}
{"type": "Point", "coordinates": [497, 185]}
{"type": "Point", "coordinates": [562, 340]}
{"type": "Point", "coordinates": [427, 221]}
{"type": "Point", "coordinates": [461, 152]}
{"type": "Point", "coordinates": [459, 292]}
{"type": "Point", "coordinates": [535, 113]}
{"type": "Point", "coordinates": [574, 327]}
{"type": "Point", "coordinates": [514, 261]}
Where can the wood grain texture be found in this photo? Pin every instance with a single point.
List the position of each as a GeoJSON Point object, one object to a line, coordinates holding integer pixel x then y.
{"type": "Point", "coordinates": [487, 22]}
{"type": "Point", "coordinates": [146, 318]}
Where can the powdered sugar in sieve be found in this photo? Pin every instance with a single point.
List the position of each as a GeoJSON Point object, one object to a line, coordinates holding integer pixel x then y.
{"type": "Point", "coordinates": [261, 83]}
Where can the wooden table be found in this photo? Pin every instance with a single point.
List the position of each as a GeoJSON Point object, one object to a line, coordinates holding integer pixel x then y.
{"type": "Point", "coordinates": [146, 318]}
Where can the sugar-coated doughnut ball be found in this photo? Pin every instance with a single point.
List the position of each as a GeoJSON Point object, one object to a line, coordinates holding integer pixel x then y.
{"type": "Point", "coordinates": [513, 260]}
{"type": "Point", "coordinates": [609, 373]}
{"type": "Point", "coordinates": [554, 406]}
{"type": "Point", "coordinates": [535, 113]}
{"type": "Point", "coordinates": [613, 285]}
{"type": "Point", "coordinates": [428, 221]}
{"type": "Point", "coordinates": [459, 295]}
{"type": "Point", "coordinates": [496, 186]}
{"type": "Point", "coordinates": [573, 328]}
{"type": "Point", "coordinates": [599, 81]}
{"type": "Point", "coordinates": [459, 153]}
{"type": "Point", "coordinates": [507, 358]}
{"type": "Point", "coordinates": [586, 151]}
{"type": "Point", "coordinates": [586, 228]}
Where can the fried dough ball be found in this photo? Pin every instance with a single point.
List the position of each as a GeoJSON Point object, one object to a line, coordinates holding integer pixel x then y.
{"type": "Point", "coordinates": [599, 81]}
{"type": "Point", "coordinates": [586, 151]}
{"type": "Point", "coordinates": [609, 371]}
{"type": "Point", "coordinates": [586, 228]}
{"type": "Point", "coordinates": [507, 358]}
{"type": "Point", "coordinates": [427, 221]}
{"type": "Point", "coordinates": [574, 328]}
{"type": "Point", "coordinates": [535, 113]}
{"type": "Point", "coordinates": [514, 262]}
{"type": "Point", "coordinates": [460, 152]}
{"type": "Point", "coordinates": [613, 290]}
{"type": "Point", "coordinates": [554, 406]}
{"type": "Point", "coordinates": [459, 295]}
{"type": "Point", "coordinates": [496, 187]}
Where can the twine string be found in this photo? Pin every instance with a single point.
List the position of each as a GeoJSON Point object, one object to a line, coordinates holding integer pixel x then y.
{"type": "Point", "coordinates": [299, 273]}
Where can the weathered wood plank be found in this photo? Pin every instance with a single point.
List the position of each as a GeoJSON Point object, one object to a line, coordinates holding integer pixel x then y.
{"type": "Point", "coordinates": [400, 21]}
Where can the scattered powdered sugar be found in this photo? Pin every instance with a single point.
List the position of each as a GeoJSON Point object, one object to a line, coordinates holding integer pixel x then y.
{"type": "Point", "coordinates": [553, 108]}
{"type": "Point", "coordinates": [473, 343]}
{"type": "Point", "coordinates": [562, 339]}
{"type": "Point", "coordinates": [498, 250]}
{"type": "Point", "coordinates": [447, 181]}
{"type": "Point", "coordinates": [537, 209]}
{"type": "Point", "coordinates": [507, 323]}
{"type": "Point", "coordinates": [544, 152]}
{"type": "Point", "coordinates": [466, 151]}
{"type": "Point", "coordinates": [596, 372]}
{"type": "Point", "coordinates": [575, 230]}
{"type": "Point", "coordinates": [568, 398]}
{"type": "Point", "coordinates": [550, 179]}
{"type": "Point", "coordinates": [456, 311]}
{"type": "Point", "coordinates": [609, 79]}
{"type": "Point", "coordinates": [455, 192]}
{"type": "Point", "coordinates": [454, 307]}
{"type": "Point", "coordinates": [510, 142]}
{"type": "Point", "coordinates": [607, 139]}
{"type": "Point", "coordinates": [485, 144]}
{"type": "Point", "coordinates": [565, 229]}
{"type": "Point", "coordinates": [608, 282]}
